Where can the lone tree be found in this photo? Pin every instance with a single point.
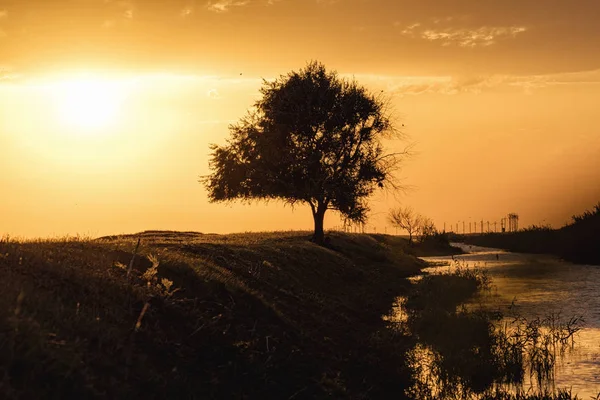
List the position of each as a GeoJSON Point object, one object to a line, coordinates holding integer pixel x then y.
{"type": "Point", "coordinates": [409, 220]}
{"type": "Point", "coordinates": [313, 138]}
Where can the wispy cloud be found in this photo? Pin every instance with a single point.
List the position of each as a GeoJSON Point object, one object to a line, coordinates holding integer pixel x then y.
{"type": "Point", "coordinates": [474, 85]}
{"type": "Point", "coordinates": [186, 11]}
{"type": "Point", "coordinates": [126, 7]}
{"type": "Point", "coordinates": [224, 5]}
{"type": "Point", "coordinates": [221, 6]}
{"type": "Point", "coordinates": [453, 85]}
{"type": "Point", "coordinates": [463, 37]}
{"type": "Point", "coordinates": [213, 94]}
{"type": "Point", "coordinates": [408, 30]}
{"type": "Point", "coordinates": [123, 13]}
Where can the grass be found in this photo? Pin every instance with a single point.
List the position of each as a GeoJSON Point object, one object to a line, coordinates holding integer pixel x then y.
{"type": "Point", "coordinates": [252, 316]}
{"type": "Point", "coordinates": [202, 316]}
{"type": "Point", "coordinates": [437, 245]}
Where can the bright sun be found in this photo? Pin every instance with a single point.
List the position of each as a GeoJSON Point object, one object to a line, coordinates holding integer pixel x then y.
{"type": "Point", "coordinates": [88, 104]}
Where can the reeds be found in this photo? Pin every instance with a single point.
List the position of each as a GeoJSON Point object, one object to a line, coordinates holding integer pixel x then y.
{"type": "Point", "coordinates": [475, 353]}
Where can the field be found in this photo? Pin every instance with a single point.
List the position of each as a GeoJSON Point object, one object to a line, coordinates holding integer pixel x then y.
{"type": "Point", "coordinates": [203, 316]}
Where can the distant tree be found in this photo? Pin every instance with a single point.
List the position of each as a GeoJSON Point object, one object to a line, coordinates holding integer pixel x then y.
{"type": "Point", "coordinates": [406, 218]}
{"type": "Point", "coordinates": [427, 229]}
{"type": "Point", "coordinates": [313, 138]}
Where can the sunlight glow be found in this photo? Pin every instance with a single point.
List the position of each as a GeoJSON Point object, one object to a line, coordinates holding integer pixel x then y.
{"type": "Point", "coordinates": [89, 104]}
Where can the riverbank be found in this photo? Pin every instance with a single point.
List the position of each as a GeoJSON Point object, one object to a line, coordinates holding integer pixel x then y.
{"type": "Point", "coordinates": [569, 245]}
{"type": "Point", "coordinates": [576, 242]}
{"type": "Point", "coordinates": [546, 292]}
{"type": "Point", "coordinates": [434, 246]}
{"type": "Point", "coordinates": [203, 316]}
{"type": "Point", "coordinates": [464, 349]}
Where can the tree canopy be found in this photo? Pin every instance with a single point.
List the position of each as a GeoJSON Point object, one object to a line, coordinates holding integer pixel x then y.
{"type": "Point", "coordinates": [313, 137]}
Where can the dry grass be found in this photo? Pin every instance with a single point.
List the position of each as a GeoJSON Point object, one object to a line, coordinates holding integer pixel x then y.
{"type": "Point", "coordinates": [202, 316]}
{"type": "Point", "coordinates": [437, 245]}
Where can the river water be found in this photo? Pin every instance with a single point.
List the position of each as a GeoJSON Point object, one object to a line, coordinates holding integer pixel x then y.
{"type": "Point", "coordinates": [538, 285]}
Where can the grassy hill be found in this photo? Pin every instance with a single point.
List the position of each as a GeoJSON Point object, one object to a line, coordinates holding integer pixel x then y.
{"type": "Point", "coordinates": [221, 316]}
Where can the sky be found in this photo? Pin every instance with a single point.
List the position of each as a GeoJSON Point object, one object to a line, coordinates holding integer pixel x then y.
{"type": "Point", "coordinates": [108, 107]}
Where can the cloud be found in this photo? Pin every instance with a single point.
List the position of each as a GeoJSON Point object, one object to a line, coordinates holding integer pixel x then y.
{"type": "Point", "coordinates": [580, 77]}
{"type": "Point", "coordinates": [510, 39]}
{"type": "Point", "coordinates": [453, 85]}
{"type": "Point", "coordinates": [408, 30]}
{"type": "Point", "coordinates": [463, 37]}
{"type": "Point", "coordinates": [469, 84]}
{"type": "Point", "coordinates": [125, 7]}
{"type": "Point", "coordinates": [213, 94]}
{"type": "Point", "coordinates": [220, 6]}
{"type": "Point", "coordinates": [187, 11]}
{"type": "Point", "coordinates": [122, 12]}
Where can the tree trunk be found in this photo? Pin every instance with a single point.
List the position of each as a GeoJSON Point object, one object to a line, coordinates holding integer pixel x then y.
{"type": "Point", "coordinates": [319, 217]}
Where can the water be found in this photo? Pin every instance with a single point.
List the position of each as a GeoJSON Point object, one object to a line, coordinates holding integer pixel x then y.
{"type": "Point", "coordinates": [539, 285]}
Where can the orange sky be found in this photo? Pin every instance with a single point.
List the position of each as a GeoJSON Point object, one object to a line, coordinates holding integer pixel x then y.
{"type": "Point", "coordinates": [499, 96]}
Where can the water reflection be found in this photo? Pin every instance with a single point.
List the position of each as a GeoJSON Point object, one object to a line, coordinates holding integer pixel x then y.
{"type": "Point", "coordinates": [536, 286]}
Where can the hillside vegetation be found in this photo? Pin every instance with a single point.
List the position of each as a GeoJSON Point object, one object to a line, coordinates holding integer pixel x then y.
{"type": "Point", "coordinates": [431, 246]}
{"type": "Point", "coordinates": [235, 316]}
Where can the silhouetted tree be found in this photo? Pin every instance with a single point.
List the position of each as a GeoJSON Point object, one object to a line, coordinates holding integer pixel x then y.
{"type": "Point", "coordinates": [427, 229]}
{"type": "Point", "coordinates": [406, 218]}
{"type": "Point", "coordinates": [313, 138]}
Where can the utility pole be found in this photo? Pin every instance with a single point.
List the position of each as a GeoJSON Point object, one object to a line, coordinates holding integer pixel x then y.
{"type": "Point", "coordinates": [463, 227]}
{"type": "Point", "coordinates": [488, 226]}
{"type": "Point", "coordinates": [481, 227]}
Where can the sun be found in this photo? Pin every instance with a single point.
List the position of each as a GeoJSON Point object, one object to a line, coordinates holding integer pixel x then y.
{"type": "Point", "coordinates": [88, 104]}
